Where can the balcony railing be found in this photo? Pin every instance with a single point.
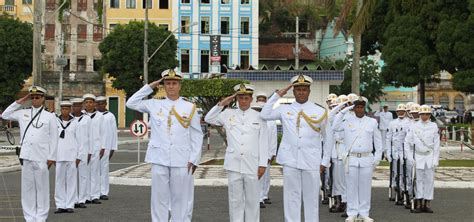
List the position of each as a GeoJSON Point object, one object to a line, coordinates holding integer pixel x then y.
{"type": "Point", "coordinates": [8, 9]}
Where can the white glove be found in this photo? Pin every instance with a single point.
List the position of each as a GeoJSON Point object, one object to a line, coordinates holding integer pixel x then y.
{"type": "Point", "coordinates": [345, 110]}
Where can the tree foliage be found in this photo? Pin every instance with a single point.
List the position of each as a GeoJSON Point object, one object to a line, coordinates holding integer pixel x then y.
{"type": "Point", "coordinates": [122, 55]}
{"type": "Point", "coordinates": [16, 49]}
{"type": "Point", "coordinates": [371, 81]}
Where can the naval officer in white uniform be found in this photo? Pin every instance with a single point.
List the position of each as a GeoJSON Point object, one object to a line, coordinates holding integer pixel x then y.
{"type": "Point", "coordinates": [39, 143]}
{"type": "Point", "coordinates": [174, 149]}
{"type": "Point", "coordinates": [68, 158]}
{"type": "Point", "coordinates": [305, 125]}
{"type": "Point", "coordinates": [246, 155]}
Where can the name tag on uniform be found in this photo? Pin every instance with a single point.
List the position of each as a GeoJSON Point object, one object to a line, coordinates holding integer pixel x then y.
{"type": "Point", "coordinates": [289, 114]}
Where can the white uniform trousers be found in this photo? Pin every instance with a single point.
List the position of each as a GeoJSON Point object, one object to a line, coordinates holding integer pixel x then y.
{"type": "Point", "coordinates": [338, 179]}
{"type": "Point", "coordinates": [394, 172]}
{"type": "Point", "coordinates": [265, 184]}
{"type": "Point", "coordinates": [301, 184]}
{"type": "Point", "coordinates": [84, 175]}
{"type": "Point", "coordinates": [425, 183]}
{"type": "Point", "coordinates": [359, 188]}
{"type": "Point", "coordinates": [409, 170]}
{"type": "Point", "coordinates": [95, 175]}
{"type": "Point", "coordinates": [244, 193]}
{"type": "Point", "coordinates": [384, 137]}
{"type": "Point", "coordinates": [66, 184]}
{"type": "Point", "coordinates": [173, 184]}
{"type": "Point", "coordinates": [35, 190]}
{"type": "Point", "coordinates": [104, 173]}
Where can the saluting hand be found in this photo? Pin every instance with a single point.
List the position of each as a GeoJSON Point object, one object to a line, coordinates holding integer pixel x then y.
{"type": "Point", "coordinates": [261, 171]}
{"type": "Point", "coordinates": [155, 83]}
{"type": "Point", "coordinates": [283, 91]}
{"type": "Point", "coordinates": [23, 99]}
{"type": "Point", "coordinates": [227, 100]}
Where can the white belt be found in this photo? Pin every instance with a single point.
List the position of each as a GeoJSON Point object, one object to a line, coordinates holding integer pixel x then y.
{"type": "Point", "coordinates": [359, 155]}
{"type": "Point", "coordinates": [423, 153]}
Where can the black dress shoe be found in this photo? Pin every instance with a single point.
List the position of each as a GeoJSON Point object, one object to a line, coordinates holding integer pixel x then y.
{"type": "Point", "coordinates": [104, 197]}
{"type": "Point", "coordinates": [262, 205]}
{"type": "Point", "coordinates": [95, 201]}
{"type": "Point", "coordinates": [88, 201]}
{"type": "Point", "coordinates": [344, 214]}
{"type": "Point", "coordinates": [267, 201]}
{"type": "Point", "coordinates": [60, 211]}
{"type": "Point", "coordinates": [80, 205]}
{"type": "Point", "coordinates": [69, 210]}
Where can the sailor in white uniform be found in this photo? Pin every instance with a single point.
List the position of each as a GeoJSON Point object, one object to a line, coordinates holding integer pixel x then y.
{"type": "Point", "coordinates": [83, 169]}
{"type": "Point", "coordinates": [385, 117]}
{"type": "Point", "coordinates": [68, 158]}
{"type": "Point", "coordinates": [174, 149]}
{"type": "Point", "coordinates": [109, 145]}
{"type": "Point", "coordinates": [361, 136]}
{"type": "Point", "coordinates": [424, 137]}
{"type": "Point", "coordinates": [246, 155]}
{"type": "Point", "coordinates": [39, 143]}
{"type": "Point", "coordinates": [305, 125]}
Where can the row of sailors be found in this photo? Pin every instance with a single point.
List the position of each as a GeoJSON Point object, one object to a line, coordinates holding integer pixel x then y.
{"type": "Point", "coordinates": [80, 141]}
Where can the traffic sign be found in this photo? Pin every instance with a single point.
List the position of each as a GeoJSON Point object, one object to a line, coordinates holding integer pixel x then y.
{"type": "Point", "coordinates": [138, 128]}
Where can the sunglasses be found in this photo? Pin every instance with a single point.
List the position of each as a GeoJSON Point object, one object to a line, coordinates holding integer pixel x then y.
{"type": "Point", "coordinates": [36, 97]}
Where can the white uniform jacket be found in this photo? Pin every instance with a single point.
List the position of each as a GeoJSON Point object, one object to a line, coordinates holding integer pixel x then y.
{"type": "Point", "coordinates": [68, 147]}
{"type": "Point", "coordinates": [95, 132]}
{"type": "Point", "coordinates": [247, 138]}
{"type": "Point", "coordinates": [41, 139]}
{"type": "Point", "coordinates": [109, 131]}
{"type": "Point", "coordinates": [272, 138]}
{"type": "Point", "coordinates": [301, 147]}
{"type": "Point", "coordinates": [385, 119]}
{"type": "Point", "coordinates": [171, 144]}
{"type": "Point", "coordinates": [84, 140]}
{"type": "Point", "coordinates": [425, 137]}
{"type": "Point", "coordinates": [361, 135]}
{"type": "Point", "coordinates": [397, 130]}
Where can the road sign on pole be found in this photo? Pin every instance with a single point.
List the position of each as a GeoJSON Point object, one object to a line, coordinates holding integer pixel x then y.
{"type": "Point", "coordinates": [138, 128]}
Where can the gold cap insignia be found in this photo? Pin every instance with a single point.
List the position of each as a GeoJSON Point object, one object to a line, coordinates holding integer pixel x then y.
{"type": "Point", "coordinates": [301, 79]}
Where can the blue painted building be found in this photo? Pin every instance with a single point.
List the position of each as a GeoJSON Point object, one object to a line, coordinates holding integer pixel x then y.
{"type": "Point", "coordinates": [236, 21]}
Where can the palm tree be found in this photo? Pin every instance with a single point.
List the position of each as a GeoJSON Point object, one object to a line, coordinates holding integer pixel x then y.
{"type": "Point", "coordinates": [364, 10]}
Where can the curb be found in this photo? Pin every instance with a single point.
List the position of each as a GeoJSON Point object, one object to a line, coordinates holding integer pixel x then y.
{"type": "Point", "coordinates": [10, 169]}
{"type": "Point", "coordinates": [222, 182]}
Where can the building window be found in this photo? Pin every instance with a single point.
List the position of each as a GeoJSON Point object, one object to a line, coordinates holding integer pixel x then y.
{"type": "Point", "coordinates": [225, 23]}
{"type": "Point", "coordinates": [224, 60]}
{"type": "Point", "coordinates": [205, 1]}
{"type": "Point", "coordinates": [244, 59]}
{"type": "Point", "coordinates": [164, 26]}
{"type": "Point", "coordinates": [185, 21]}
{"type": "Point", "coordinates": [96, 65]}
{"type": "Point", "coordinates": [50, 5]}
{"type": "Point", "coordinates": [97, 36]}
{"type": "Point", "coordinates": [130, 3]}
{"type": "Point", "coordinates": [185, 1]}
{"type": "Point", "coordinates": [49, 32]}
{"type": "Point", "coordinates": [147, 2]}
{"type": "Point", "coordinates": [81, 32]}
{"type": "Point", "coordinates": [185, 60]}
{"type": "Point", "coordinates": [225, 2]}
{"type": "Point", "coordinates": [245, 2]}
{"type": "Point", "coordinates": [27, 2]}
{"type": "Point", "coordinates": [68, 66]}
{"type": "Point", "coordinates": [163, 4]}
{"type": "Point", "coordinates": [81, 5]}
{"type": "Point", "coordinates": [205, 61]}
{"type": "Point", "coordinates": [66, 30]}
{"type": "Point", "coordinates": [112, 26]}
{"type": "Point", "coordinates": [81, 64]}
{"type": "Point", "coordinates": [244, 25]}
{"type": "Point", "coordinates": [114, 3]}
{"type": "Point", "coordinates": [205, 25]}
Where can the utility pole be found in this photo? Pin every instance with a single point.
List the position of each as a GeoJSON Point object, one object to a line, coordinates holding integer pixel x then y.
{"type": "Point", "coordinates": [145, 47]}
{"type": "Point", "coordinates": [37, 27]}
{"type": "Point", "coordinates": [297, 34]}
